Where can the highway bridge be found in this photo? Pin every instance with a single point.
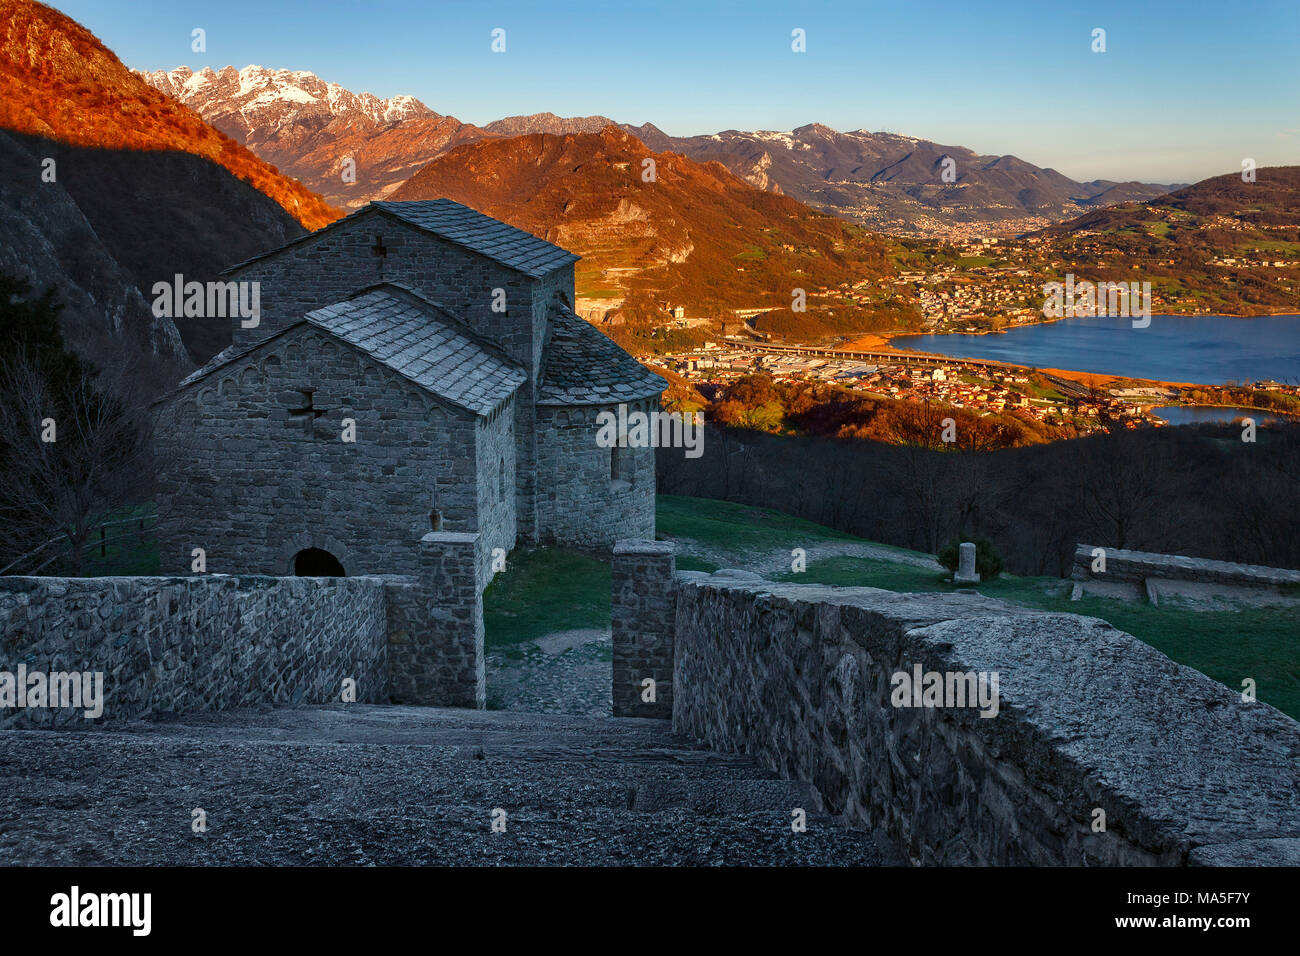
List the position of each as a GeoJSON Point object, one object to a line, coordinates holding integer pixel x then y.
{"type": "Point", "coordinates": [879, 358]}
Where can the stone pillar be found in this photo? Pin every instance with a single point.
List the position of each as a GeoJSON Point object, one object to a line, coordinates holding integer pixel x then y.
{"type": "Point", "coordinates": [643, 610]}
{"type": "Point", "coordinates": [440, 663]}
{"type": "Point", "coordinates": [966, 573]}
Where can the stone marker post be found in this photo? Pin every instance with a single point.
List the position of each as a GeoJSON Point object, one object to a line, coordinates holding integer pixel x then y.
{"type": "Point", "coordinates": [966, 573]}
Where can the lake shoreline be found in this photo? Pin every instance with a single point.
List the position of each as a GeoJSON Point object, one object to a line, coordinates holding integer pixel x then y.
{"type": "Point", "coordinates": [1181, 353]}
{"type": "Point", "coordinates": [885, 337]}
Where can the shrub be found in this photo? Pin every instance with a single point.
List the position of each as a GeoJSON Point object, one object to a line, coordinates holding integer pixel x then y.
{"type": "Point", "coordinates": [988, 562]}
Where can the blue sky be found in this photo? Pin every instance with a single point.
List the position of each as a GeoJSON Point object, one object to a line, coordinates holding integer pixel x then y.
{"type": "Point", "coordinates": [1184, 90]}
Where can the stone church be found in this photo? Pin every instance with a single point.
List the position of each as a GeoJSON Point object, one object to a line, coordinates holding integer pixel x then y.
{"type": "Point", "coordinates": [416, 368]}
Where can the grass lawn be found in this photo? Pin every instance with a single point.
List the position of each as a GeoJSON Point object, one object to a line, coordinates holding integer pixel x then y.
{"type": "Point", "coordinates": [724, 524]}
{"type": "Point", "coordinates": [544, 590]}
{"type": "Point", "coordinates": [1229, 646]}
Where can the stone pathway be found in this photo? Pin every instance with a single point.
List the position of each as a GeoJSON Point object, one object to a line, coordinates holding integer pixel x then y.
{"type": "Point", "coordinates": [567, 672]}
{"type": "Point", "coordinates": [373, 785]}
{"type": "Point", "coordinates": [770, 563]}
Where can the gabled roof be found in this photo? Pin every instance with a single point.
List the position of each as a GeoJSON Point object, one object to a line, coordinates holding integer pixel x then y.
{"type": "Point", "coordinates": [583, 367]}
{"type": "Point", "coordinates": [462, 226]}
{"type": "Point", "coordinates": [415, 338]}
{"type": "Point", "coordinates": [513, 248]}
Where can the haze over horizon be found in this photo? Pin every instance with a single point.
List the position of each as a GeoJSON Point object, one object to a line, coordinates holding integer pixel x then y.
{"type": "Point", "coordinates": [1181, 93]}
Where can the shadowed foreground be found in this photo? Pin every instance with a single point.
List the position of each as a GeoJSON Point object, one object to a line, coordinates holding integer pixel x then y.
{"type": "Point", "coordinates": [361, 785]}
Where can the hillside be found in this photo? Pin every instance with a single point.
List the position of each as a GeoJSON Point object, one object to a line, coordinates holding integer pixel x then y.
{"type": "Point", "coordinates": [1221, 244]}
{"type": "Point", "coordinates": [58, 81]}
{"type": "Point", "coordinates": [117, 219]}
{"type": "Point", "coordinates": [310, 127]}
{"type": "Point", "coordinates": [696, 237]}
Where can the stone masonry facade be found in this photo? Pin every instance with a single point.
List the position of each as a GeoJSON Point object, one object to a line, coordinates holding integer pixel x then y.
{"type": "Point", "coordinates": [259, 483]}
{"type": "Point", "coordinates": [592, 493]}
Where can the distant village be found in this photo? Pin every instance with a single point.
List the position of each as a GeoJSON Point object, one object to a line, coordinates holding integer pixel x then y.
{"type": "Point", "coordinates": [968, 295]}
{"type": "Point", "coordinates": [1046, 398]}
{"type": "Point", "coordinates": [958, 384]}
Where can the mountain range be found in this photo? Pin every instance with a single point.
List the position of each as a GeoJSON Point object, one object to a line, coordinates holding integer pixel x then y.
{"type": "Point", "coordinates": [888, 182]}
{"type": "Point", "coordinates": [146, 187]}
{"type": "Point", "coordinates": [895, 184]}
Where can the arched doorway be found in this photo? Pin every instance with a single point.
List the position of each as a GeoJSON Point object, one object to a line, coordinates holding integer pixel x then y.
{"type": "Point", "coordinates": [317, 563]}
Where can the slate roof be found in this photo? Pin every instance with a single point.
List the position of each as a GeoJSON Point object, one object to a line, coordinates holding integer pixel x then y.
{"type": "Point", "coordinates": [413, 339]}
{"type": "Point", "coordinates": [583, 367]}
{"type": "Point", "coordinates": [416, 339]}
{"type": "Point", "coordinates": [513, 248]}
{"type": "Point", "coordinates": [461, 225]}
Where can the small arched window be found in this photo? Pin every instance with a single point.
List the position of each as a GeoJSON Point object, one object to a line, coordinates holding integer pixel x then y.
{"type": "Point", "coordinates": [501, 480]}
{"type": "Point", "coordinates": [620, 467]}
{"type": "Point", "coordinates": [435, 520]}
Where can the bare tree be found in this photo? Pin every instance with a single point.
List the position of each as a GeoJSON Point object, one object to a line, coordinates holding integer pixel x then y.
{"type": "Point", "coordinates": [72, 449]}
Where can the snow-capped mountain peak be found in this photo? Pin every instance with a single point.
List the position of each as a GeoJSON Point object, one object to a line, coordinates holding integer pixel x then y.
{"type": "Point", "coordinates": [255, 102]}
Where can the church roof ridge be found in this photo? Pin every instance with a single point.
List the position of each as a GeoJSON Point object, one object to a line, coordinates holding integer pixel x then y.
{"type": "Point", "coordinates": [460, 225]}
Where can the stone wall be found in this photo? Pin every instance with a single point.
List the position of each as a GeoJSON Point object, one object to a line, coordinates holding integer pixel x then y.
{"type": "Point", "coordinates": [579, 500]}
{"type": "Point", "coordinates": [641, 617]}
{"type": "Point", "coordinates": [437, 626]}
{"type": "Point", "coordinates": [199, 643]}
{"type": "Point", "coordinates": [1138, 566]}
{"type": "Point", "coordinates": [497, 494]}
{"type": "Point", "coordinates": [1090, 720]}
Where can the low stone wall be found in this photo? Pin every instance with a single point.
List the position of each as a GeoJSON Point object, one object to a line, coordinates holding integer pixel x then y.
{"type": "Point", "coordinates": [207, 642]}
{"type": "Point", "coordinates": [1089, 721]}
{"type": "Point", "coordinates": [1138, 566]}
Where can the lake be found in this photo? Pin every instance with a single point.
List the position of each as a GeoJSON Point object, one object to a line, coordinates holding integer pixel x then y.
{"type": "Point", "coordinates": [1196, 414]}
{"type": "Point", "coordinates": [1209, 350]}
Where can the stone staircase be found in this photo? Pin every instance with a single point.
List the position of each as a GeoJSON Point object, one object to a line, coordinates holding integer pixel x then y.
{"type": "Point", "coordinates": [386, 785]}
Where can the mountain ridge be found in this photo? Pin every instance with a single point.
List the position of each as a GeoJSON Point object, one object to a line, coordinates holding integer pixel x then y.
{"type": "Point", "coordinates": [350, 148]}
{"type": "Point", "coordinates": [886, 181]}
